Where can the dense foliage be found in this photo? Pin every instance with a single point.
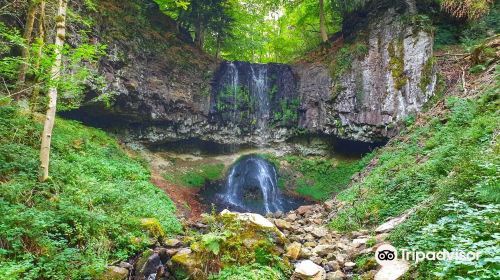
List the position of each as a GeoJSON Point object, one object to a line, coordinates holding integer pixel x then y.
{"type": "Point", "coordinates": [452, 154]}
{"type": "Point", "coordinates": [320, 178]}
{"type": "Point", "coordinates": [90, 213]}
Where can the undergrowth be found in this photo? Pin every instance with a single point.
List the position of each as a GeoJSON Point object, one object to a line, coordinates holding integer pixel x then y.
{"type": "Point", "coordinates": [90, 212]}
{"type": "Point", "coordinates": [320, 178]}
{"type": "Point", "coordinates": [198, 176]}
{"type": "Point", "coordinates": [452, 155]}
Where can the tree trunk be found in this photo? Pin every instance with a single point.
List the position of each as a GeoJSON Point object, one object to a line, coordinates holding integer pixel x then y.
{"type": "Point", "coordinates": [25, 52]}
{"type": "Point", "coordinates": [55, 73]}
{"type": "Point", "coordinates": [217, 51]}
{"type": "Point", "coordinates": [198, 35]}
{"type": "Point", "coordinates": [41, 42]}
{"type": "Point", "coordinates": [322, 23]}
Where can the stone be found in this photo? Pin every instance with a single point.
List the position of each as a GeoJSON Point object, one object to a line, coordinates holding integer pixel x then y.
{"type": "Point", "coordinates": [172, 104]}
{"type": "Point", "coordinates": [293, 250]}
{"type": "Point", "coordinates": [151, 266]}
{"type": "Point", "coordinates": [309, 237]}
{"type": "Point", "coordinates": [308, 270]}
{"type": "Point", "coordinates": [310, 244]}
{"type": "Point", "coordinates": [278, 214]}
{"type": "Point", "coordinates": [291, 217]}
{"type": "Point", "coordinates": [323, 250]}
{"type": "Point", "coordinates": [305, 253]}
{"type": "Point", "coordinates": [115, 273]}
{"type": "Point", "coordinates": [349, 266]}
{"type": "Point", "coordinates": [126, 265]}
{"type": "Point", "coordinates": [317, 260]}
{"type": "Point", "coordinates": [337, 275]}
{"type": "Point", "coordinates": [319, 231]}
{"type": "Point", "coordinates": [392, 270]}
{"type": "Point", "coordinates": [141, 263]}
{"type": "Point", "coordinates": [282, 224]}
{"type": "Point", "coordinates": [172, 242]}
{"type": "Point", "coordinates": [333, 265]}
{"type": "Point", "coordinates": [359, 241]}
{"type": "Point", "coordinates": [304, 209]}
{"type": "Point", "coordinates": [392, 223]}
{"type": "Point", "coordinates": [184, 262]}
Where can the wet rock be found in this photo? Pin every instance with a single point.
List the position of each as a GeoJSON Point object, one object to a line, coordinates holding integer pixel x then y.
{"type": "Point", "coordinates": [293, 250]}
{"type": "Point", "coordinates": [308, 270]}
{"type": "Point", "coordinates": [115, 273]}
{"type": "Point", "coordinates": [141, 263]}
{"type": "Point", "coordinates": [150, 267]}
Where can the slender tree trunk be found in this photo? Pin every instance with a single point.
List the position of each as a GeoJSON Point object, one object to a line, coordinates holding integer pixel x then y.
{"type": "Point", "coordinates": [217, 51]}
{"type": "Point", "coordinates": [322, 23]}
{"type": "Point", "coordinates": [198, 35]}
{"type": "Point", "coordinates": [41, 42]}
{"type": "Point", "coordinates": [25, 52]}
{"type": "Point", "coordinates": [55, 73]}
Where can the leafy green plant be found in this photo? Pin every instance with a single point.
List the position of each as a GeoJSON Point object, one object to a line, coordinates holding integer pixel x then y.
{"type": "Point", "coordinates": [89, 214]}
{"type": "Point", "coordinates": [455, 155]}
{"type": "Point", "coordinates": [464, 228]}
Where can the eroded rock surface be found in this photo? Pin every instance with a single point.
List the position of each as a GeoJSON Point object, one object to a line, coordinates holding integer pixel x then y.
{"type": "Point", "coordinates": [181, 94]}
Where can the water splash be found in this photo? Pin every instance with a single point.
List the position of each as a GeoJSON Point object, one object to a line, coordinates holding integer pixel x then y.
{"type": "Point", "coordinates": [251, 182]}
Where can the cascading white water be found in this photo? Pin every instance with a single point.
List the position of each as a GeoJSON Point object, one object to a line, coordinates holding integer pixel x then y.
{"type": "Point", "coordinates": [234, 76]}
{"type": "Point", "coordinates": [260, 90]}
{"type": "Point", "coordinates": [252, 185]}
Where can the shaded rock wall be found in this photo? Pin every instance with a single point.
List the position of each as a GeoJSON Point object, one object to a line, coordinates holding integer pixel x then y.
{"type": "Point", "coordinates": [392, 80]}
{"type": "Point", "coordinates": [169, 91]}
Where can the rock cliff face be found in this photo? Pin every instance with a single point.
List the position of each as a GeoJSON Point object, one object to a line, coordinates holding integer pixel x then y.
{"type": "Point", "coordinates": [390, 76]}
{"type": "Point", "coordinates": [378, 74]}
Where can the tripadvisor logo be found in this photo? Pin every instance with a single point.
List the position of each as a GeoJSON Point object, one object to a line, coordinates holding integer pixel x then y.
{"type": "Point", "coordinates": [388, 254]}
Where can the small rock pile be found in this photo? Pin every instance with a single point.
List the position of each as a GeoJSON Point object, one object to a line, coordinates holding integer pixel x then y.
{"type": "Point", "coordinates": [317, 252]}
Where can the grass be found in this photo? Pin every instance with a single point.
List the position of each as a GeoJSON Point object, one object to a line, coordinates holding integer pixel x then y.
{"type": "Point", "coordinates": [197, 177]}
{"type": "Point", "coordinates": [450, 155]}
{"type": "Point", "coordinates": [322, 178]}
{"type": "Point", "coordinates": [98, 206]}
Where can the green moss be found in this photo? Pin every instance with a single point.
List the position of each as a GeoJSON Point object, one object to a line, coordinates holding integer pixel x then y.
{"type": "Point", "coordinates": [396, 64]}
{"type": "Point", "coordinates": [198, 176]}
{"type": "Point", "coordinates": [427, 74]}
{"type": "Point", "coordinates": [321, 178]}
{"type": "Point", "coordinates": [342, 62]}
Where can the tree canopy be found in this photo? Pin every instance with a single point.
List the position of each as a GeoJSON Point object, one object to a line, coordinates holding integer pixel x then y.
{"type": "Point", "coordinates": [277, 30]}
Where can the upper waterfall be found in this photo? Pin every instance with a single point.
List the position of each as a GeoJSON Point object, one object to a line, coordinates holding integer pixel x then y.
{"type": "Point", "coordinates": [255, 97]}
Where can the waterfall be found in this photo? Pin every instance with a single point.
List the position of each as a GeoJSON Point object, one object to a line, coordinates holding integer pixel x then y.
{"type": "Point", "coordinates": [252, 99]}
{"type": "Point", "coordinates": [261, 92]}
{"type": "Point", "coordinates": [252, 185]}
{"type": "Point", "coordinates": [233, 74]}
